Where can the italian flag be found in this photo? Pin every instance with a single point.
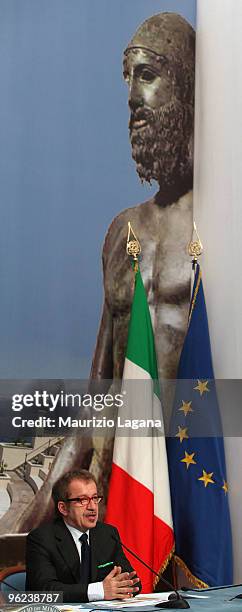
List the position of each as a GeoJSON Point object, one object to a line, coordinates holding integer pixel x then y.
{"type": "Point", "coordinates": [139, 495]}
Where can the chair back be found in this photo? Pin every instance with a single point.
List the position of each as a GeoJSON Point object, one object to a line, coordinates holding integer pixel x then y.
{"type": "Point", "coordinates": [12, 578]}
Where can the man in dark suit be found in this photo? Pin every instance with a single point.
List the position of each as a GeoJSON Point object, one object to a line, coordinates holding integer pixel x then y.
{"type": "Point", "coordinates": [76, 554]}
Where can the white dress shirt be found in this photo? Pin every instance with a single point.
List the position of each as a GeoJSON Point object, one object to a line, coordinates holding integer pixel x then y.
{"type": "Point", "coordinates": [95, 591]}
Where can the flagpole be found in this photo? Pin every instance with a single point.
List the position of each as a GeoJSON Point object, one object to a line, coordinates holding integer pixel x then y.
{"type": "Point", "coordinates": [133, 247]}
{"type": "Point", "coordinates": [195, 249]}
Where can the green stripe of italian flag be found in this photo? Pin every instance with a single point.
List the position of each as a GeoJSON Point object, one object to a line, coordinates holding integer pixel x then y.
{"type": "Point", "coordinates": [139, 495]}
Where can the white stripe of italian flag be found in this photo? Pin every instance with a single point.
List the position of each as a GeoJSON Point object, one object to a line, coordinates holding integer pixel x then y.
{"type": "Point", "coordinates": [139, 495]}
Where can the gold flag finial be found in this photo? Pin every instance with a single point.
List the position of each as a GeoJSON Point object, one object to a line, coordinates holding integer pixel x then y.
{"type": "Point", "coordinates": [133, 247]}
{"type": "Point", "coordinates": [195, 247]}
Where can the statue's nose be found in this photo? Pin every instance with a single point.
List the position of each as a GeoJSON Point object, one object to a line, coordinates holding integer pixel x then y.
{"type": "Point", "coordinates": [135, 99]}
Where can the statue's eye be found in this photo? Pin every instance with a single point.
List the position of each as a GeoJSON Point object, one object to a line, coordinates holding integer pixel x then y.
{"type": "Point", "coordinates": [146, 74]}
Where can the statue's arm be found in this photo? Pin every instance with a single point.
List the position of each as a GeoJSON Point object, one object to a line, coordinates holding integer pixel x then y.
{"type": "Point", "coordinates": [102, 363]}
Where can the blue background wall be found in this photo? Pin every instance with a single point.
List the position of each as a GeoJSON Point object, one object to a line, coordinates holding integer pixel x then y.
{"type": "Point", "coordinates": [65, 171]}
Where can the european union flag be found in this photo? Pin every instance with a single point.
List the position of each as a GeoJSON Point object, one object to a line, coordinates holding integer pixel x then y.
{"type": "Point", "coordinates": [199, 489]}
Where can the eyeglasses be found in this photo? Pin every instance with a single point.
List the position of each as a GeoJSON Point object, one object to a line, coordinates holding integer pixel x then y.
{"type": "Point", "coordinates": [84, 501]}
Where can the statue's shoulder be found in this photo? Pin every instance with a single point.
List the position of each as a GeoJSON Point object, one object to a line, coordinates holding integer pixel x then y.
{"type": "Point", "coordinates": [124, 216]}
{"type": "Point", "coordinates": [118, 229]}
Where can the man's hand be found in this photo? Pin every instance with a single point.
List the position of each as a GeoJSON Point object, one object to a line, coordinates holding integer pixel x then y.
{"type": "Point", "coordinates": [118, 584]}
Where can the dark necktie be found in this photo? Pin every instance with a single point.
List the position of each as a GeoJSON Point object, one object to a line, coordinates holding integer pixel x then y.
{"type": "Point", "coordinates": [85, 563]}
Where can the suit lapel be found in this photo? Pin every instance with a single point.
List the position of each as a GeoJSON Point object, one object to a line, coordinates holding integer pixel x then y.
{"type": "Point", "coordinates": [67, 548]}
{"type": "Point", "coordinates": [94, 549]}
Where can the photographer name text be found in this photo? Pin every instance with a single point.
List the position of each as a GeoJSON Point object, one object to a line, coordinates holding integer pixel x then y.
{"type": "Point", "coordinates": [59, 423]}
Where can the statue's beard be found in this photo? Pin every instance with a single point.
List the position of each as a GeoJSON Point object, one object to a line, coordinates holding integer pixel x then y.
{"type": "Point", "coordinates": [161, 143]}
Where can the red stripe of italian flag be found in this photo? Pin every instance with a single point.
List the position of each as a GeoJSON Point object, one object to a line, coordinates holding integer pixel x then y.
{"type": "Point", "coordinates": [139, 495]}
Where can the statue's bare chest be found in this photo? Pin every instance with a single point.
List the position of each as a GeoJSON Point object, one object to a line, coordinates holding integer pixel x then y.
{"type": "Point", "coordinates": [164, 263]}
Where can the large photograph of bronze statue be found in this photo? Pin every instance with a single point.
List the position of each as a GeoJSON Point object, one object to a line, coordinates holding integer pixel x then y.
{"type": "Point", "coordinates": [159, 68]}
{"type": "Point", "coordinates": [159, 71]}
